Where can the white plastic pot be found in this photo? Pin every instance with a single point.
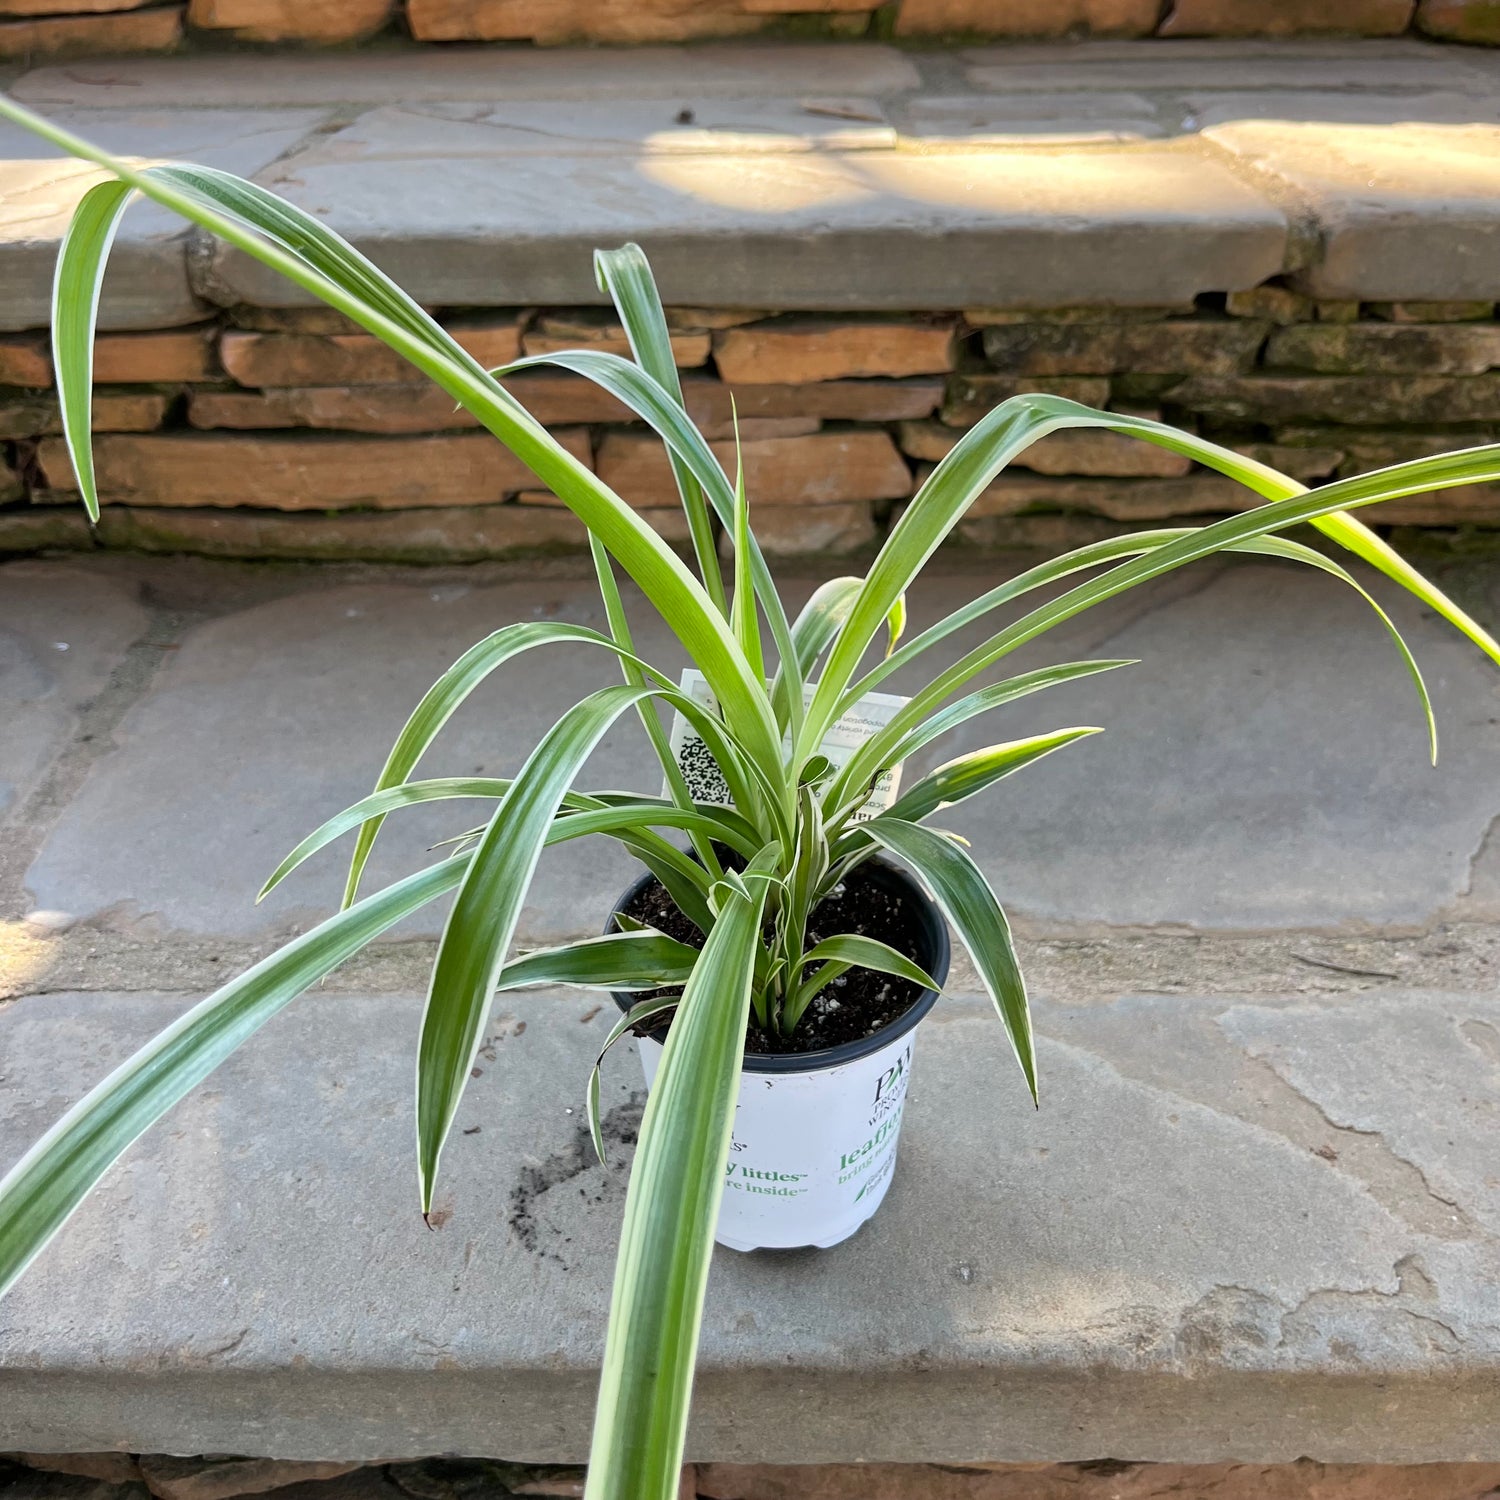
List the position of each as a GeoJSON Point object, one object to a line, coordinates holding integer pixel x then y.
{"type": "Point", "coordinates": [815, 1133]}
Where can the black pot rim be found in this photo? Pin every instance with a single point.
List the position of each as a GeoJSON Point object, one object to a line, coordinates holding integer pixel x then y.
{"type": "Point", "coordinates": [932, 927]}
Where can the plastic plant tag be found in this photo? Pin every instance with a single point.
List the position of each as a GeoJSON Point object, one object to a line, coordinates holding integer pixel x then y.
{"type": "Point", "coordinates": [705, 783]}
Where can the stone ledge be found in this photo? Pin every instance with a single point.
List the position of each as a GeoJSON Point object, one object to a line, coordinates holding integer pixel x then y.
{"type": "Point", "coordinates": [1237, 1230]}
{"type": "Point", "coordinates": [1113, 173]}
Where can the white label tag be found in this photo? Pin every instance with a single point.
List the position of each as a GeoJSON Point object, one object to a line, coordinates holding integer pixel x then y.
{"type": "Point", "coordinates": [705, 783]}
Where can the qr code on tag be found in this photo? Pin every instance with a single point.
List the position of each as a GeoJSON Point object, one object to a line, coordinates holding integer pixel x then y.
{"type": "Point", "coordinates": [700, 772]}
{"type": "Point", "coordinates": [705, 782]}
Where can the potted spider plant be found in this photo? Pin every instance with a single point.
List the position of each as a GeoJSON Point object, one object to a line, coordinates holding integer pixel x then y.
{"type": "Point", "coordinates": [808, 877]}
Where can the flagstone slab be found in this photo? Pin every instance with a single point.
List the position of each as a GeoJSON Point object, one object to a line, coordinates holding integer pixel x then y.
{"type": "Point", "coordinates": [747, 71]}
{"type": "Point", "coordinates": [63, 631]}
{"type": "Point", "coordinates": [458, 220]}
{"type": "Point", "coordinates": [1265, 764]}
{"type": "Point", "coordinates": [1403, 211]}
{"type": "Point", "coordinates": [146, 285]}
{"type": "Point", "coordinates": [1188, 1254]}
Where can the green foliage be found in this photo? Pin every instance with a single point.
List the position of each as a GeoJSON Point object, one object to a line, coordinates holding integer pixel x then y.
{"type": "Point", "coordinates": [793, 828]}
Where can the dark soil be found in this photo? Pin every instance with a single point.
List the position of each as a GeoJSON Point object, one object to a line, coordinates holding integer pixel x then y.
{"type": "Point", "coordinates": [858, 1003]}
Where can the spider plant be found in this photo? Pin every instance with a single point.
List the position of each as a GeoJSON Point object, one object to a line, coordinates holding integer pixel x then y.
{"type": "Point", "coordinates": [779, 684]}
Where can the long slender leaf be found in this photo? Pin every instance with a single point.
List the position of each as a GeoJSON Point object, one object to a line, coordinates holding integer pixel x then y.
{"type": "Point", "coordinates": [586, 815]}
{"type": "Point", "coordinates": [965, 898]}
{"type": "Point", "coordinates": [617, 961]}
{"type": "Point", "coordinates": [1022, 420]}
{"type": "Point", "coordinates": [636, 1016]}
{"type": "Point", "coordinates": [42, 1190]}
{"type": "Point", "coordinates": [448, 694]}
{"type": "Point", "coordinates": [635, 388]}
{"type": "Point", "coordinates": [626, 275]}
{"type": "Point", "coordinates": [75, 309]}
{"type": "Point", "coordinates": [483, 919]}
{"type": "Point", "coordinates": [849, 789]}
{"type": "Point", "coordinates": [671, 1206]}
{"type": "Point", "coordinates": [968, 775]}
{"type": "Point", "coordinates": [306, 252]}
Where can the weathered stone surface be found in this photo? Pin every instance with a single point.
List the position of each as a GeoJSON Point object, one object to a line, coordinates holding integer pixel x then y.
{"type": "Point", "coordinates": [1276, 304]}
{"type": "Point", "coordinates": [551, 333]}
{"type": "Point", "coordinates": [1433, 312]}
{"type": "Point", "coordinates": [146, 285]}
{"type": "Point", "coordinates": [1371, 448]}
{"type": "Point", "coordinates": [1027, 18]}
{"type": "Point", "coordinates": [556, 400]}
{"type": "Point", "coordinates": [113, 411]}
{"type": "Point", "coordinates": [65, 7]}
{"type": "Point", "coordinates": [1387, 348]}
{"type": "Point", "coordinates": [142, 358]}
{"type": "Point", "coordinates": [1109, 1480]}
{"type": "Point", "coordinates": [1359, 400]}
{"type": "Point", "coordinates": [1312, 859]}
{"type": "Point", "coordinates": [1105, 348]}
{"type": "Point", "coordinates": [1308, 747]}
{"type": "Point", "coordinates": [31, 1485]}
{"type": "Point", "coordinates": [999, 317]}
{"type": "Point", "coordinates": [970, 395]}
{"type": "Point", "coordinates": [224, 1479]}
{"type": "Point", "coordinates": [1286, 18]}
{"type": "Point", "coordinates": [228, 711]}
{"type": "Point", "coordinates": [1403, 211]}
{"type": "Point", "coordinates": [25, 361]}
{"type": "Point", "coordinates": [690, 319]}
{"type": "Point", "coordinates": [455, 219]}
{"type": "Point", "coordinates": [43, 529]}
{"type": "Point", "coordinates": [1336, 311]}
{"type": "Point", "coordinates": [555, 21]}
{"type": "Point", "coordinates": [317, 319]}
{"type": "Point", "coordinates": [111, 1468]}
{"type": "Point", "coordinates": [1463, 505]}
{"type": "Point", "coordinates": [62, 632]}
{"type": "Point", "coordinates": [1180, 1138]}
{"type": "Point", "coordinates": [11, 486]}
{"type": "Point", "coordinates": [1189, 65]}
{"type": "Point", "coordinates": [291, 359]}
{"type": "Point", "coordinates": [826, 468]}
{"type": "Point", "coordinates": [155, 30]}
{"type": "Point", "coordinates": [1077, 451]}
{"type": "Point", "coordinates": [1120, 500]}
{"type": "Point", "coordinates": [750, 428]}
{"type": "Point", "coordinates": [795, 531]}
{"type": "Point", "coordinates": [470, 533]}
{"type": "Point", "coordinates": [802, 351]}
{"type": "Point", "coordinates": [1460, 20]}
{"type": "Point", "coordinates": [1305, 464]}
{"type": "Point", "coordinates": [784, 71]}
{"type": "Point", "coordinates": [288, 21]}
{"type": "Point", "coordinates": [711, 403]}
{"type": "Point", "coordinates": [1066, 118]}
{"type": "Point", "coordinates": [301, 473]}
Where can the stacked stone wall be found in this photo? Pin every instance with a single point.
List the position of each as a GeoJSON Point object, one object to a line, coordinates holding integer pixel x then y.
{"type": "Point", "coordinates": [289, 433]}
{"type": "Point", "coordinates": [123, 1476]}
{"type": "Point", "coordinates": [31, 29]}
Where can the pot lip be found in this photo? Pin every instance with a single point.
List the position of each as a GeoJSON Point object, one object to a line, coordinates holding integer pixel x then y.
{"type": "Point", "coordinates": [865, 1046]}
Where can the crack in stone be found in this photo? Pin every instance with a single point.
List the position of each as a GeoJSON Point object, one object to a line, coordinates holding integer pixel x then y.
{"type": "Point", "coordinates": [129, 682]}
{"type": "Point", "coordinates": [1398, 1184]}
{"type": "Point", "coordinates": [1233, 1317]}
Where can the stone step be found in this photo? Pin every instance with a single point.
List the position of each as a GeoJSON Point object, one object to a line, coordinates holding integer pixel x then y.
{"type": "Point", "coordinates": [1239, 1228]}
{"type": "Point", "coordinates": [1265, 765]}
{"type": "Point", "coordinates": [802, 176]}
